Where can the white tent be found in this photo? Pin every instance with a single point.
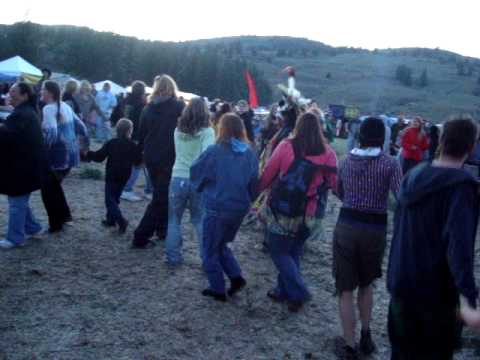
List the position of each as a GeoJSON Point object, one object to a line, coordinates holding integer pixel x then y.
{"type": "Point", "coordinates": [184, 95]}
{"type": "Point", "coordinates": [16, 67]}
{"type": "Point", "coordinates": [62, 79]}
{"type": "Point", "coordinates": [148, 89]}
{"type": "Point", "coordinates": [115, 88]}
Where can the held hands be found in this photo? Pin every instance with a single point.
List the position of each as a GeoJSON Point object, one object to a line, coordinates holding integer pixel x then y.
{"type": "Point", "coordinates": [470, 316]}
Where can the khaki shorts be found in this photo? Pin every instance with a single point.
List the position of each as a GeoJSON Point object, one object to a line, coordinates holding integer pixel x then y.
{"type": "Point", "coordinates": [357, 255]}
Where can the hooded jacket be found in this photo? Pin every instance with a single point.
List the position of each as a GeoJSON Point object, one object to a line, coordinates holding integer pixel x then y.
{"type": "Point", "coordinates": [227, 174]}
{"type": "Point", "coordinates": [133, 110]}
{"type": "Point", "coordinates": [22, 152]}
{"type": "Point", "coordinates": [432, 251]}
{"type": "Point", "coordinates": [157, 125]}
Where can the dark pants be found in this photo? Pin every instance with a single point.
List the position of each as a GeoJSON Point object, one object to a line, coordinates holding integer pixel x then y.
{"type": "Point", "coordinates": [423, 332]}
{"type": "Point", "coordinates": [113, 190]}
{"type": "Point", "coordinates": [286, 252]}
{"type": "Point", "coordinates": [155, 219]}
{"type": "Point", "coordinates": [218, 259]}
{"type": "Point", "coordinates": [408, 164]}
{"type": "Point", "coordinates": [54, 200]}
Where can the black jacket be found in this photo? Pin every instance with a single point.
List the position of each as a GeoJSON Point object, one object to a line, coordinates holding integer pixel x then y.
{"type": "Point", "coordinates": [121, 155]}
{"type": "Point", "coordinates": [157, 126]}
{"type": "Point", "coordinates": [432, 251]}
{"type": "Point", "coordinates": [247, 118]}
{"type": "Point", "coordinates": [22, 152]}
{"type": "Point", "coordinates": [70, 100]}
{"type": "Point", "coordinates": [133, 110]}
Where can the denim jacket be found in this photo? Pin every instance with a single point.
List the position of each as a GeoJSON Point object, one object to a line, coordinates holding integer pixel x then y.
{"type": "Point", "coordinates": [226, 174]}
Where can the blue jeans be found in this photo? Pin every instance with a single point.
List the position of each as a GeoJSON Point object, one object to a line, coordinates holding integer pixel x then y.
{"type": "Point", "coordinates": [103, 131]}
{"type": "Point", "coordinates": [113, 191]}
{"type": "Point", "coordinates": [352, 140]}
{"type": "Point", "coordinates": [133, 179]}
{"type": "Point", "coordinates": [286, 252]}
{"type": "Point", "coordinates": [218, 231]}
{"type": "Point", "coordinates": [20, 219]}
{"type": "Point", "coordinates": [182, 196]}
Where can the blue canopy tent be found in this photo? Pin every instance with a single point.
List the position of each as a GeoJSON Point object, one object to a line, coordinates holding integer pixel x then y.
{"type": "Point", "coordinates": [16, 67]}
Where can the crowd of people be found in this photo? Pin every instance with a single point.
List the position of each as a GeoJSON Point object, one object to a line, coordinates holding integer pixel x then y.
{"type": "Point", "coordinates": [209, 161]}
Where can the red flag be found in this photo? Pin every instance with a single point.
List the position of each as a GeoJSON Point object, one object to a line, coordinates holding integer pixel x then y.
{"type": "Point", "coordinates": [252, 91]}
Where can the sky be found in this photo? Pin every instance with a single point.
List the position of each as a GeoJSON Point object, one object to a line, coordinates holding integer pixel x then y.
{"type": "Point", "coordinates": [370, 24]}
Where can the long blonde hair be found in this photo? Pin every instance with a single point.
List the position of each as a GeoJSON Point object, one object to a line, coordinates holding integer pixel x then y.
{"type": "Point", "coordinates": [85, 85]}
{"type": "Point", "coordinates": [163, 85]}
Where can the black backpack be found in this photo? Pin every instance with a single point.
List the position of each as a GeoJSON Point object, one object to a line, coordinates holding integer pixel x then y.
{"type": "Point", "coordinates": [289, 194]}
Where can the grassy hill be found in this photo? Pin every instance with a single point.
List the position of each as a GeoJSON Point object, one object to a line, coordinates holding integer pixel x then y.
{"type": "Point", "coordinates": [366, 78]}
{"type": "Point", "coordinates": [215, 67]}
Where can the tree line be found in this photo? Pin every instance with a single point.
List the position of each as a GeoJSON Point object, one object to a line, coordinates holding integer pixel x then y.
{"type": "Point", "coordinates": [85, 53]}
{"type": "Point", "coordinates": [404, 74]}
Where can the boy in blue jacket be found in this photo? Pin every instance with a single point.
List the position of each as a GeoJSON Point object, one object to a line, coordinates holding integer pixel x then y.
{"type": "Point", "coordinates": [226, 173]}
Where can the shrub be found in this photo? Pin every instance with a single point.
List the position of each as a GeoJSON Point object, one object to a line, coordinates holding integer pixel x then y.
{"type": "Point", "coordinates": [404, 75]}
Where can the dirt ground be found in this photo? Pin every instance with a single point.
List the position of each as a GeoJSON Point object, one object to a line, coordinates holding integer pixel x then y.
{"type": "Point", "coordinates": [84, 294]}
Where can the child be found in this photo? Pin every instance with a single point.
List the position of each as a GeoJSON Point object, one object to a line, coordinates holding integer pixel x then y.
{"type": "Point", "coordinates": [226, 173]}
{"type": "Point", "coordinates": [122, 154]}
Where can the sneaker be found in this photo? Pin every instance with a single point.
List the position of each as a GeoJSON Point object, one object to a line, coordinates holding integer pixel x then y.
{"type": "Point", "coordinates": [40, 232]}
{"type": "Point", "coordinates": [129, 196]}
{"type": "Point", "coordinates": [122, 227]}
{"type": "Point", "coordinates": [7, 244]}
{"type": "Point", "coordinates": [275, 297]}
{"type": "Point", "coordinates": [349, 353]}
{"type": "Point", "coordinates": [294, 306]}
{"type": "Point", "coordinates": [148, 197]}
{"type": "Point", "coordinates": [68, 221]}
{"type": "Point", "coordinates": [55, 229]}
{"type": "Point", "coordinates": [107, 223]}
{"type": "Point", "coordinates": [216, 296]}
{"type": "Point", "coordinates": [367, 346]}
{"type": "Point", "coordinates": [237, 284]}
{"type": "Point", "coordinates": [148, 245]}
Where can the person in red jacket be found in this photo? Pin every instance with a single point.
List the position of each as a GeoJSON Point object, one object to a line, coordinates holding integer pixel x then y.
{"type": "Point", "coordinates": [414, 144]}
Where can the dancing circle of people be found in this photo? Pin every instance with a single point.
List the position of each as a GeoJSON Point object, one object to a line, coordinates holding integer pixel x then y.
{"type": "Point", "coordinates": [210, 162]}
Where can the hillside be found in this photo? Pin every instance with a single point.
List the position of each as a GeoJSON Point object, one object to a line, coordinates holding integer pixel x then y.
{"type": "Point", "coordinates": [215, 67]}
{"type": "Point", "coordinates": [366, 78]}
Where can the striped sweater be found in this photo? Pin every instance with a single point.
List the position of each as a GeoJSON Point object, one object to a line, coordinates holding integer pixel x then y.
{"type": "Point", "coordinates": [364, 182]}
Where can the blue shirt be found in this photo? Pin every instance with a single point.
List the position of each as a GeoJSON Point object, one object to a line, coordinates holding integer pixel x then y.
{"type": "Point", "coordinates": [106, 101]}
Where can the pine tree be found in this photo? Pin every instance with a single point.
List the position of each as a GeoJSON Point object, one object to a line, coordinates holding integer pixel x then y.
{"type": "Point", "coordinates": [423, 79]}
{"type": "Point", "coordinates": [404, 75]}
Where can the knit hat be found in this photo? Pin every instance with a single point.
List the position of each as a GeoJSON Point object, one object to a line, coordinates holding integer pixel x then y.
{"type": "Point", "coordinates": [372, 132]}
